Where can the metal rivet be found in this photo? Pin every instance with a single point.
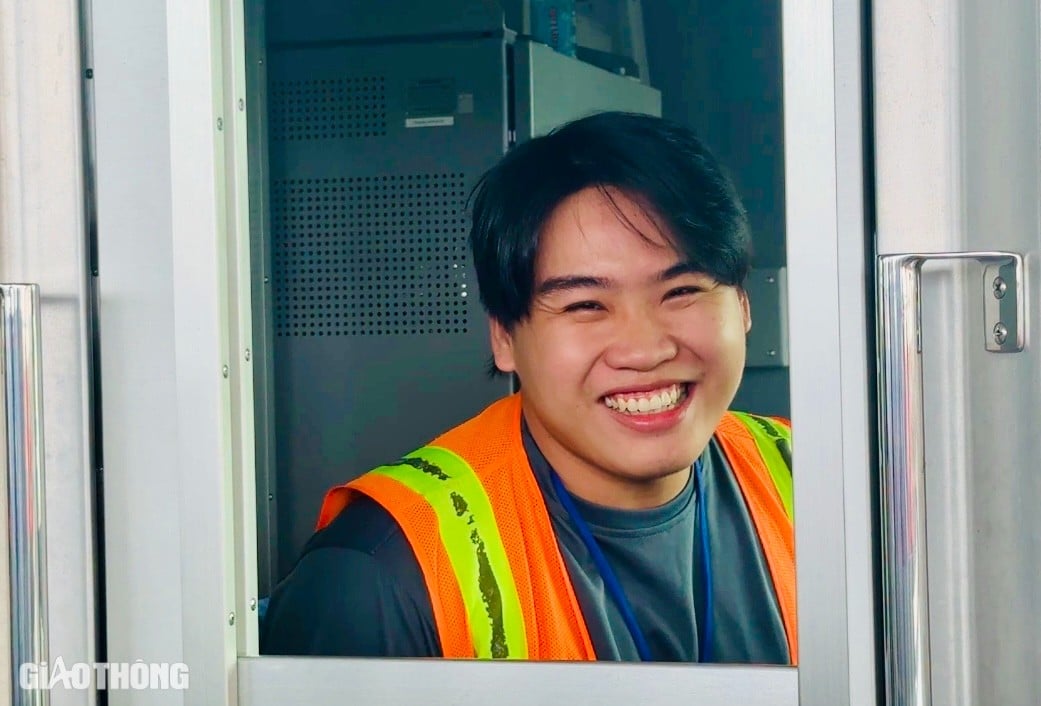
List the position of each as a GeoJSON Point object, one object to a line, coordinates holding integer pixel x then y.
{"type": "Point", "coordinates": [242, 104]}
{"type": "Point", "coordinates": [270, 497]}
{"type": "Point", "coordinates": [1000, 287]}
{"type": "Point", "coordinates": [1000, 333]}
{"type": "Point", "coordinates": [252, 603]}
{"type": "Point", "coordinates": [224, 371]}
{"type": "Point", "coordinates": [247, 354]}
{"type": "Point", "coordinates": [220, 123]}
{"type": "Point", "coordinates": [771, 279]}
{"type": "Point", "coordinates": [771, 353]}
{"type": "Point", "coordinates": [266, 280]}
{"type": "Point", "coordinates": [231, 618]}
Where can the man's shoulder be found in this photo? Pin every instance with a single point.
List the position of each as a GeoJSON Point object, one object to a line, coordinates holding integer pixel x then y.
{"type": "Point", "coordinates": [498, 423]}
{"type": "Point", "coordinates": [471, 443]}
{"type": "Point", "coordinates": [363, 526]}
{"type": "Point", "coordinates": [356, 590]}
{"type": "Point", "coordinates": [743, 423]}
{"type": "Point", "coordinates": [770, 435]}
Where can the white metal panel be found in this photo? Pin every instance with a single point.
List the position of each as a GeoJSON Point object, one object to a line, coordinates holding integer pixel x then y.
{"type": "Point", "coordinates": [854, 341]}
{"type": "Point", "coordinates": [240, 328]}
{"type": "Point", "coordinates": [43, 241]}
{"type": "Point", "coordinates": [956, 132]}
{"type": "Point", "coordinates": [916, 123]}
{"type": "Point", "coordinates": [1001, 179]}
{"type": "Point", "coordinates": [203, 359]}
{"type": "Point", "coordinates": [274, 681]}
{"type": "Point", "coordinates": [168, 367]}
{"type": "Point", "coordinates": [1001, 182]}
{"type": "Point", "coordinates": [824, 168]}
{"type": "Point", "coordinates": [139, 380]}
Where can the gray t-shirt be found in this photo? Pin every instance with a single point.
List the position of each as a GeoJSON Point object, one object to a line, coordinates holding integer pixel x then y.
{"type": "Point", "coordinates": [357, 589]}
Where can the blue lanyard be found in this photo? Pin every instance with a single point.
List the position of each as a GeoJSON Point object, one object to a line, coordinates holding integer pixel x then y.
{"type": "Point", "coordinates": [614, 587]}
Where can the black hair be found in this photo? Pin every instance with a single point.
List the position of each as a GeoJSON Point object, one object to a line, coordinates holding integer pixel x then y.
{"type": "Point", "coordinates": [659, 164]}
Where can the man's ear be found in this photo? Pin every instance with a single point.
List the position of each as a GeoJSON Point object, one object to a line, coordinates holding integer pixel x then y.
{"type": "Point", "coordinates": [746, 309]}
{"type": "Point", "coordinates": [502, 346]}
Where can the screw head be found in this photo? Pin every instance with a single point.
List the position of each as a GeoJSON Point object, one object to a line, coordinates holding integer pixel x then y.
{"type": "Point", "coordinates": [224, 371]}
{"type": "Point", "coordinates": [247, 355]}
{"type": "Point", "coordinates": [231, 618]}
{"type": "Point", "coordinates": [1000, 333]}
{"type": "Point", "coordinates": [1000, 287]}
{"type": "Point", "coordinates": [252, 603]}
{"type": "Point", "coordinates": [220, 123]}
{"type": "Point", "coordinates": [242, 104]}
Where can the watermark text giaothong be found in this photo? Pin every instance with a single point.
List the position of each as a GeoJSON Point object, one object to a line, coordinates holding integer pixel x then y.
{"type": "Point", "coordinates": [139, 675]}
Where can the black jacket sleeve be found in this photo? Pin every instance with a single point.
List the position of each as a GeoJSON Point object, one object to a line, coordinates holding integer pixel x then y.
{"type": "Point", "coordinates": [357, 591]}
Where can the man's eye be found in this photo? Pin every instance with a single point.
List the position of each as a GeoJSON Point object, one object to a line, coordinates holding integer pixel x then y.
{"type": "Point", "coordinates": [683, 292]}
{"type": "Point", "coordinates": [584, 306]}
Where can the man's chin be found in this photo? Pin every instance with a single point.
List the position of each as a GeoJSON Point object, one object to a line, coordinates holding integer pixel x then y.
{"type": "Point", "coordinates": [651, 472]}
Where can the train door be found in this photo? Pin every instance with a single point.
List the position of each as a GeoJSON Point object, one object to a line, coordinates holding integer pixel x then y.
{"type": "Point", "coordinates": [956, 183]}
{"type": "Point", "coordinates": [909, 133]}
{"type": "Point", "coordinates": [166, 92]}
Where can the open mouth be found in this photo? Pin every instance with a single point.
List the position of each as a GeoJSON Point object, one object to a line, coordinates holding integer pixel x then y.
{"type": "Point", "coordinates": [649, 402]}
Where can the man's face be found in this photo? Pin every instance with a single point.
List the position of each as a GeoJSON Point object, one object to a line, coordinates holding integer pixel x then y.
{"type": "Point", "coordinates": [627, 360]}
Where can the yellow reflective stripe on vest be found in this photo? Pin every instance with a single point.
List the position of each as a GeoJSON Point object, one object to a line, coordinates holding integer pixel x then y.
{"type": "Point", "coordinates": [774, 442]}
{"type": "Point", "coordinates": [471, 539]}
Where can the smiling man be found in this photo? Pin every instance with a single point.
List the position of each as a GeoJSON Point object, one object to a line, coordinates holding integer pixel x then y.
{"type": "Point", "coordinates": [612, 508]}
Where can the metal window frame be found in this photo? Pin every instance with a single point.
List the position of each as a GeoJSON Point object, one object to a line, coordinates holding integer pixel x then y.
{"type": "Point", "coordinates": [831, 349]}
{"type": "Point", "coordinates": [828, 293]}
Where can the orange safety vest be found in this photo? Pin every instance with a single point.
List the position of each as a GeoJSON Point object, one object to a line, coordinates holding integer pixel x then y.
{"type": "Point", "coordinates": [475, 517]}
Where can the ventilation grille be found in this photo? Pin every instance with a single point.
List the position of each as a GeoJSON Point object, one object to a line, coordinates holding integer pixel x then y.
{"type": "Point", "coordinates": [371, 256]}
{"type": "Point", "coordinates": [325, 109]}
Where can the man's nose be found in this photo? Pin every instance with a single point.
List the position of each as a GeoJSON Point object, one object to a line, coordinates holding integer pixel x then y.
{"type": "Point", "coordinates": [641, 342]}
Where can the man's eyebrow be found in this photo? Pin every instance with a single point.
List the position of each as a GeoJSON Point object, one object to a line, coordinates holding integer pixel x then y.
{"type": "Point", "coordinates": [563, 284]}
{"type": "Point", "coordinates": [680, 268]}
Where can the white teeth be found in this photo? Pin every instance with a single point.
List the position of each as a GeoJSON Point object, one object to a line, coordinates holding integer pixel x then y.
{"type": "Point", "coordinates": [663, 399]}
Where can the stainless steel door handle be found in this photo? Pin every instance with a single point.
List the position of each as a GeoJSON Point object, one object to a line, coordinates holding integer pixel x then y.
{"type": "Point", "coordinates": [902, 448]}
{"type": "Point", "coordinates": [22, 458]}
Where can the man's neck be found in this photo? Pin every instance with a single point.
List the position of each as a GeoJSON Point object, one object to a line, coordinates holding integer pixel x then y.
{"type": "Point", "coordinates": [600, 487]}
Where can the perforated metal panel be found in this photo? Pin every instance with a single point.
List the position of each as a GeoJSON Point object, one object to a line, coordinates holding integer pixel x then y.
{"type": "Point", "coordinates": [379, 339]}
{"type": "Point", "coordinates": [371, 255]}
{"type": "Point", "coordinates": [328, 108]}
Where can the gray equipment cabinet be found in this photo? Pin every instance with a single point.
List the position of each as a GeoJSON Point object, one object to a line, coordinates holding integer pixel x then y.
{"type": "Point", "coordinates": [380, 118]}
